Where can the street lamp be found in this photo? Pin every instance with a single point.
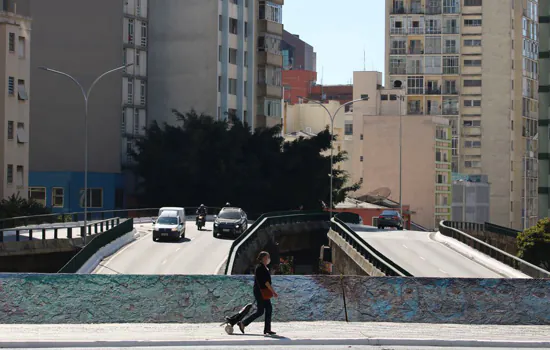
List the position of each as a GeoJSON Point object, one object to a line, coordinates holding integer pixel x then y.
{"type": "Point", "coordinates": [332, 117]}
{"type": "Point", "coordinates": [86, 95]}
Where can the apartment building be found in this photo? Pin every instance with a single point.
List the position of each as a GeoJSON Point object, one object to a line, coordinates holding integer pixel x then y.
{"type": "Point", "coordinates": [297, 54]}
{"type": "Point", "coordinates": [15, 34]}
{"type": "Point", "coordinates": [383, 133]}
{"type": "Point", "coordinates": [475, 63]}
{"type": "Point", "coordinates": [544, 117]}
{"type": "Point", "coordinates": [218, 57]}
{"type": "Point", "coordinates": [85, 39]}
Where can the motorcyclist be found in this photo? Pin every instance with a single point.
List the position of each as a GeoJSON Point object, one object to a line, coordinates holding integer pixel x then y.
{"type": "Point", "coordinates": [227, 205]}
{"type": "Point", "coordinates": [201, 211]}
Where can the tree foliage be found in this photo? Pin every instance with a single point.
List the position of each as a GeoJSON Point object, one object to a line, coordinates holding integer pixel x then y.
{"type": "Point", "coordinates": [15, 206]}
{"type": "Point", "coordinates": [213, 162]}
{"type": "Point", "coordinates": [534, 244]}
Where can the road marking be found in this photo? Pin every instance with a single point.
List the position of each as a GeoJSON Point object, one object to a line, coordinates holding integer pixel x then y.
{"type": "Point", "coordinates": [177, 250]}
{"type": "Point", "coordinates": [224, 261]}
{"type": "Point", "coordinates": [110, 259]}
{"type": "Point", "coordinates": [445, 272]}
{"type": "Point", "coordinates": [163, 262]}
{"type": "Point", "coordinates": [405, 246]}
{"type": "Point", "coordinates": [422, 258]}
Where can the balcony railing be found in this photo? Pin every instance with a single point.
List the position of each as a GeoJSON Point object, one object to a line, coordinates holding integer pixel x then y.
{"type": "Point", "coordinates": [433, 10]}
{"type": "Point", "coordinates": [433, 91]}
{"type": "Point", "coordinates": [450, 70]}
{"type": "Point", "coordinates": [450, 111]}
{"type": "Point", "coordinates": [450, 91]}
{"type": "Point", "coordinates": [433, 30]}
{"type": "Point", "coordinates": [416, 51]}
{"type": "Point", "coordinates": [451, 30]}
{"type": "Point", "coordinates": [398, 30]}
{"type": "Point", "coordinates": [414, 110]}
{"type": "Point", "coordinates": [450, 49]}
{"type": "Point", "coordinates": [433, 111]}
{"type": "Point", "coordinates": [416, 30]}
{"type": "Point", "coordinates": [415, 91]}
{"type": "Point", "coordinates": [398, 10]}
{"type": "Point", "coordinates": [398, 51]}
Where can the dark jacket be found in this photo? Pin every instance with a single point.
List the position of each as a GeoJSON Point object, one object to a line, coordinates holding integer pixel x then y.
{"type": "Point", "coordinates": [261, 276]}
{"type": "Point", "coordinates": [201, 211]}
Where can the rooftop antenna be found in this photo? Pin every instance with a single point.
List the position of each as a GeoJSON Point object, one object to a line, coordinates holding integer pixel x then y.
{"type": "Point", "coordinates": [364, 59]}
{"type": "Point", "coordinates": [322, 86]}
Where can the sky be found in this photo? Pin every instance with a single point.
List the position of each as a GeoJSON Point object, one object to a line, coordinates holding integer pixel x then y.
{"type": "Point", "coordinates": [340, 31]}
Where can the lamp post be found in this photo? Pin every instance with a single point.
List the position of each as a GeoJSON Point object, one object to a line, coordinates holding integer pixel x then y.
{"type": "Point", "coordinates": [332, 118]}
{"type": "Point", "coordinates": [401, 98]}
{"type": "Point", "coordinates": [86, 95]}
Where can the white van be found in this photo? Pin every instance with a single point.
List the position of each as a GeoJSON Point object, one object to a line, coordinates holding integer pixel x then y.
{"type": "Point", "coordinates": [169, 224]}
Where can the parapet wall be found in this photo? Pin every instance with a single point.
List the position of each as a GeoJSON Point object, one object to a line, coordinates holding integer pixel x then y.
{"type": "Point", "coordinates": [58, 299]}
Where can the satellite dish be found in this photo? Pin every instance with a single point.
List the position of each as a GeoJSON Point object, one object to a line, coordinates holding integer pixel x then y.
{"type": "Point", "coordinates": [382, 192]}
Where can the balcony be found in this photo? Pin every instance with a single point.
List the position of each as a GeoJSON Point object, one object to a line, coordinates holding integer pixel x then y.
{"type": "Point", "coordinates": [265, 26]}
{"type": "Point", "coordinates": [398, 10]}
{"type": "Point", "coordinates": [449, 91]}
{"type": "Point", "coordinates": [270, 91]}
{"type": "Point", "coordinates": [398, 51]}
{"type": "Point", "coordinates": [451, 49]}
{"type": "Point", "coordinates": [398, 70]}
{"type": "Point", "coordinates": [433, 91]}
{"type": "Point", "coordinates": [433, 30]}
{"type": "Point", "coordinates": [267, 58]}
{"type": "Point", "coordinates": [433, 10]}
{"type": "Point", "coordinates": [450, 111]}
{"type": "Point", "coordinates": [450, 30]}
{"type": "Point", "coordinates": [416, 30]}
{"type": "Point", "coordinates": [416, 51]}
{"type": "Point", "coordinates": [450, 70]}
{"type": "Point", "coordinates": [398, 30]}
{"type": "Point", "coordinates": [433, 111]}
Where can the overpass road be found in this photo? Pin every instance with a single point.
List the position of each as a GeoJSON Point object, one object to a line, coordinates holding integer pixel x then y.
{"type": "Point", "coordinates": [198, 254]}
{"type": "Point", "coordinates": [422, 256]}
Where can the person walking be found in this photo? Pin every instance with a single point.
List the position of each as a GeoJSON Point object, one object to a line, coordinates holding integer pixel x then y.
{"type": "Point", "coordinates": [263, 292]}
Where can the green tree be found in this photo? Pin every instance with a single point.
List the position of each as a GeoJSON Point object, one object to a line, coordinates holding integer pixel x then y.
{"type": "Point", "coordinates": [534, 244]}
{"type": "Point", "coordinates": [15, 206]}
{"type": "Point", "coordinates": [210, 161]}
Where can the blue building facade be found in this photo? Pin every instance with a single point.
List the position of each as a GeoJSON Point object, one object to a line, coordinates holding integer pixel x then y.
{"type": "Point", "coordinates": [63, 192]}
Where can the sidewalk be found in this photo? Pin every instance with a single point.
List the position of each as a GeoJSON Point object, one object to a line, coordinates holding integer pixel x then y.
{"type": "Point", "coordinates": [288, 334]}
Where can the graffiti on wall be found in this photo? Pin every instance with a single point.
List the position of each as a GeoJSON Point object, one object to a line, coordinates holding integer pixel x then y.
{"type": "Point", "coordinates": [47, 299]}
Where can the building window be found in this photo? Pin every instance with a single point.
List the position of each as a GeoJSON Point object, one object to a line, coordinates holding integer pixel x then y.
{"type": "Point", "coordinates": [270, 108]}
{"type": "Point", "coordinates": [232, 86]}
{"type": "Point", "coordinates": [143, 34]}
{"type": "Point", "coordinates": [9, 174]}
{"type": "Point", "coordinates": [21, 47]}
{"type": "Point", "coordinates": [123, 122]}
{"type": "Point", "coordinates": [136, 121]}
{"type": "Point", "coordinates": [21, 91]}
{"type": "Point", "coordinates": [271, 12]}
{"type": "Point", "coordinates": [450, 64]}
{"type": "Point", "coordinates": [38, 194]}
{"type": "Point", "coordinates": [472, 83]}
{"type": "Point", "coordinates": [245, 88]}
{"type": "Point", "coordinates": [219, 83]}
{"type": "Point", "coordinates": [361, 137]}
{"type": "Point", "coordinates": [138, 58]}
{"type": "Point", "coordinates": [22, 136]}
{"type": "Point", "coordinates": [348, 129]}
{"type": "Point", "coordinates": [58, 197]}
{"type": "Point", "coordinates": [471, 123]}
{"type": "Point", "coordinates": [233, 26]}
{"type": "Point", "coordinates": [361, 158]}
{"type": "Point", "coordinates": [142, 93]}
{"type": "Point", "coordinates": [220, 22]}
{"type": "Point", "coordinates": [233, 56]}
{"type": "Point", "coordinates": [130, 92]}
{"type": "Point", "coordinates": [472, 22]}
{"type": "Point", "coordinates": [10, 130]}
{"type": "Point", "coordinates": [246, 59]}
{"type": "Point", "coordinates": [95, 198]}
{"type": "Point", "coordinates": [20, 176]}
{"type": "Point", "coordinates": [472, 63]}
{"type": "Point", "coordinates": [472, 2]}
{"type": "Point", "coordinates": [130, 31]}
{"type": "Point", "coordinates": [441, 179]}
{"type": "Point", "coordinates": [472, 103]}
{"type": "Point", "coordinates": [246, 29]}
{"type": "Point", "coordinates": [472, 42]}
{"type": "Point", "coordinates": [269, 43]}
{"type": "Point", "coordinates": [11, 42]}
{"type": "Point", "coordinates": [11, 86]}
{"type": "Point", "coordinates": [472, 144]}
{"type": "Point", "coordinates": [415, 85]}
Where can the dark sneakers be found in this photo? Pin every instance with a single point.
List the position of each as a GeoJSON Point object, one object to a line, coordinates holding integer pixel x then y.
{"type": "Point", "coordinates": [270, 333]}
{"type": "Point", "coordinates": [241, 327]}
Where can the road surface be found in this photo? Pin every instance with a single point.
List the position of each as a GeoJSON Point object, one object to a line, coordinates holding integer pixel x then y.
{"type": "Point", "coordinates": [417, 253]}
{"type": "Point", "coordinates": [198, 254]}
{"type": "Point", "coordinates": [294, 347]}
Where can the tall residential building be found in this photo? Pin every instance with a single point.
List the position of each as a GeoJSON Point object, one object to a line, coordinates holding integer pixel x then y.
{"type": "Point", "coordinates": [15, 31]}
{"type": "Point", "coordinates": [85, 39]}
{"type": "Point", "coordinates": [475, 62]}
{"type": "Point", "coordinates": [218, 57]}
{"type": "Point", "coordinates": [424, 146]}
{"type": "Point", "coordinates": [544, 116]}
{"type": "Point", "coordinates": [297, 54]}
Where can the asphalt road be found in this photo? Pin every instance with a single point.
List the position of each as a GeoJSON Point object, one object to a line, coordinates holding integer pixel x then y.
{"type": "Point", "coordinates": [198, 254]}
{"type": "Point", "coordinates": [295, 347]}
{"type": "Point", "coordinates": [417, 253]}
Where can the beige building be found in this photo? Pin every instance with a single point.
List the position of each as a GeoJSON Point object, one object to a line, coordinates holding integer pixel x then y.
{"type": "Point", "coordinates": [312, 118]}
{"type": "Point", "coordinates": [475, 63]}
{"type": "Point", "coordinates": [425, 151]}
{"type": "Point", "coordinates": [15, 34]}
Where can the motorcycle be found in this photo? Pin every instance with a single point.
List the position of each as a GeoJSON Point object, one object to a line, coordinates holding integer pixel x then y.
{"type": "Point", "coordinates": [201, 221]}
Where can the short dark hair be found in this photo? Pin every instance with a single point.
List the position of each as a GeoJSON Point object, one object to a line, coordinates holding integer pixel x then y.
{"type": "Point", "coordinates": [262, 255]}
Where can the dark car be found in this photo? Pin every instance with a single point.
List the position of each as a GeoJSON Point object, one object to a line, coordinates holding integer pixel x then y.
{"type": "Point", "coordinates": [230, 222]}
{"type": "Point", "coordinates": [390, 218]}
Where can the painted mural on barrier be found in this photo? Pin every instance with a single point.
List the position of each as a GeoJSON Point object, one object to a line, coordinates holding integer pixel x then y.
{"type": "Point", "coordinates": [58, 298]}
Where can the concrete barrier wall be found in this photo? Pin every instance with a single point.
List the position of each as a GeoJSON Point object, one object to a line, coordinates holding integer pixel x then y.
{"type": "Point", "coordinates": [47, 299]}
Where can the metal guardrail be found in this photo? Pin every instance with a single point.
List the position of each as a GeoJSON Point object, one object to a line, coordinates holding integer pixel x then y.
{"type": "Point", "coordinates": [486, 227]}
{"type": "Point", "coordinates": [418, 227]}
{"type": "Point", "coordinates": [28, 232]}
{"type": "Point", "coordinates": [97, 243]}
{"type": "Point", "coordinates": [270, 219]}
{"type": "Point", "coordinates": [445, 227]}
{"type": "Point", "coordinates": [377, 259]}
